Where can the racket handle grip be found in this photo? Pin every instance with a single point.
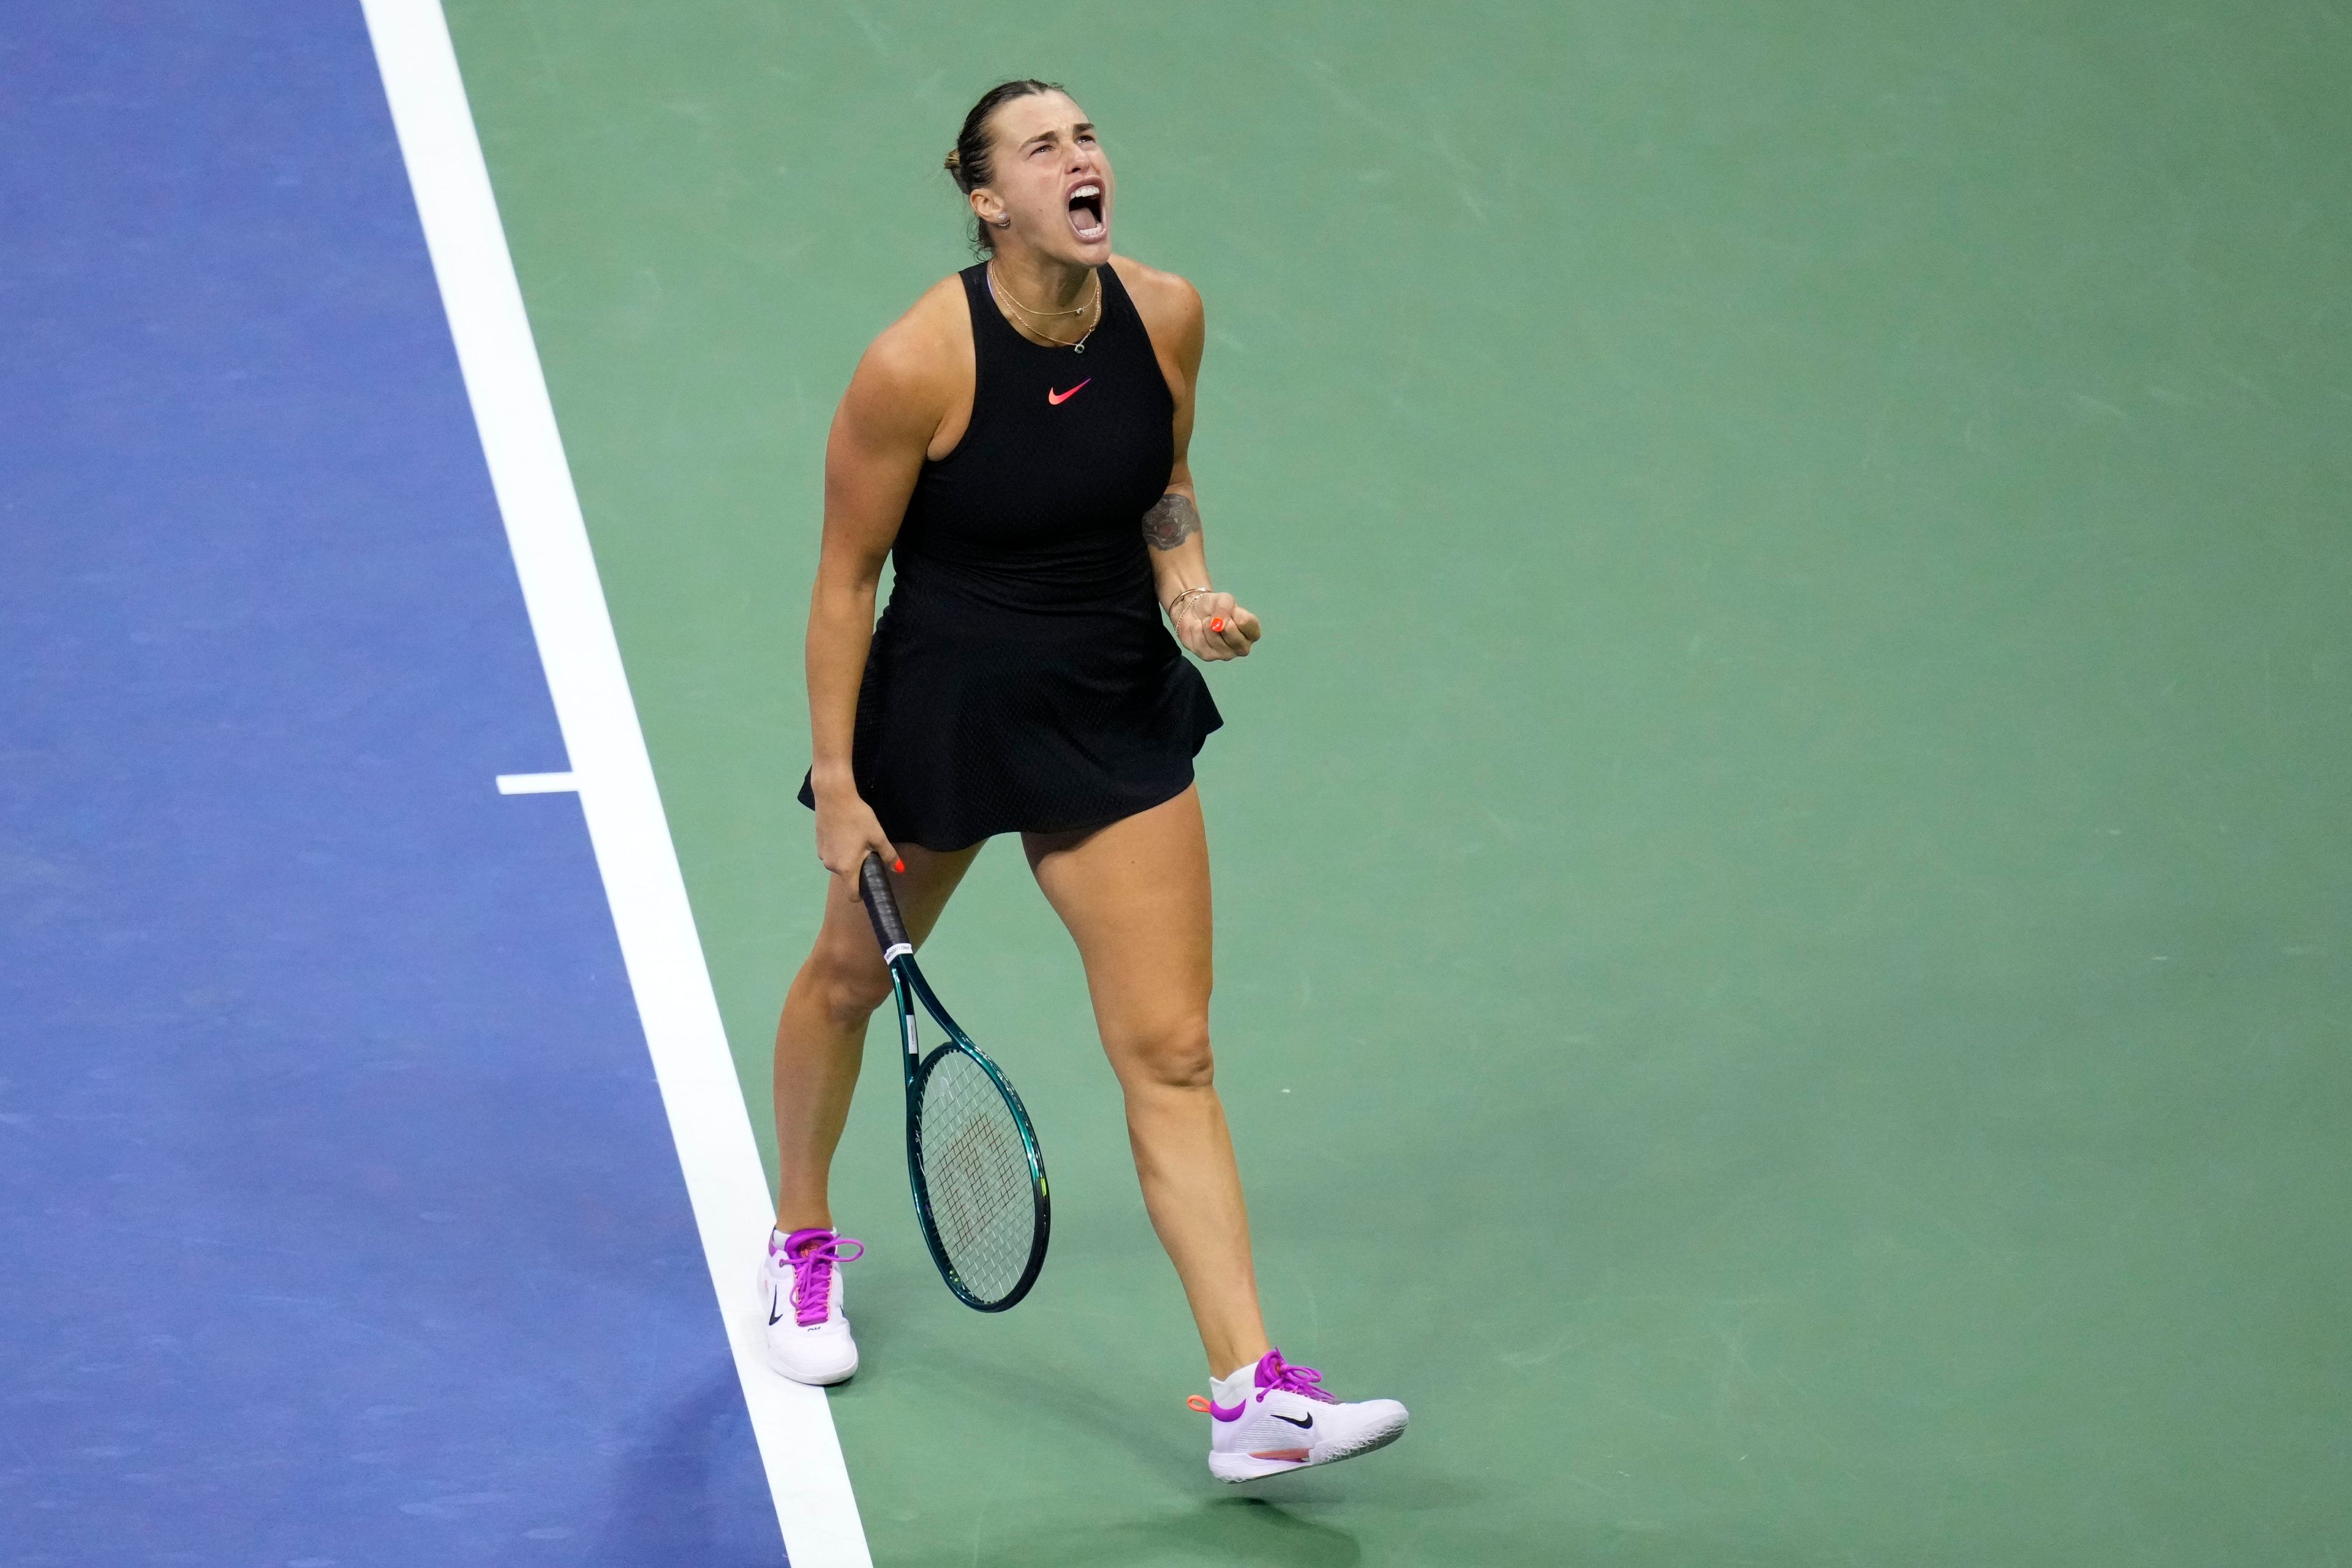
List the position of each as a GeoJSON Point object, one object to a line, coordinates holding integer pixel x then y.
{"type": "Point", "coordinates": [882, 907]}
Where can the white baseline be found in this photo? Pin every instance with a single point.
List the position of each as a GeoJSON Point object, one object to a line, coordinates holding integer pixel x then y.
{"type": "Point", "coordinates": [614, 775]}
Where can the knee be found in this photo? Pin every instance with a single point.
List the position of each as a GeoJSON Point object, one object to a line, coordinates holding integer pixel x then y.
{"type": "Point", "coordinates": [847, 990]}
{"type": "Point", "coordinates": [1172, 1054]}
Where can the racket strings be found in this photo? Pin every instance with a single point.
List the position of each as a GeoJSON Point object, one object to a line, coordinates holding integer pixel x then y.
{"type": "Point", "coordinates": [976, 1176]}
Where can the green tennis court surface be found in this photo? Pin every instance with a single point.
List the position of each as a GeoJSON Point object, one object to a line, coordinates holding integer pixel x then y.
{"type": "Point", "coordinates": [1782, 868]}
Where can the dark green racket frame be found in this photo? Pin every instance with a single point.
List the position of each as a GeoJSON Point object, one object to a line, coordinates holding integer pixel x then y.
{"type": "Point", "coordinates": [908, 987]}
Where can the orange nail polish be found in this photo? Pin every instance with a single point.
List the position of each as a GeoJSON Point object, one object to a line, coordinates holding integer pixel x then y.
{"type": "Point", "coordinates": [1218, 625]}
{"type": "Point", "coordinates": [897, 865]}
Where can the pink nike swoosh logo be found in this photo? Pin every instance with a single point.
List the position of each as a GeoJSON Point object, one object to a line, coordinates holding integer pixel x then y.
{"type": "Point", "coordinates": [1058, 398]}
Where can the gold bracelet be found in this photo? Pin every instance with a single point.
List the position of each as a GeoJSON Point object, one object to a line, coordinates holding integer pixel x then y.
{"type": "Point", "coordinates": [1180, 598]}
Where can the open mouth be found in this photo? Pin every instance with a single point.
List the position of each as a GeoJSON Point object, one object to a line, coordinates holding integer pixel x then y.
{"type": "Point", "coordinates": [1087, 212]}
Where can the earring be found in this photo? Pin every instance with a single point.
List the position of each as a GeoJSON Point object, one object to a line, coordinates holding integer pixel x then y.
{"type": "Point", "coordinates": [1005, 222]}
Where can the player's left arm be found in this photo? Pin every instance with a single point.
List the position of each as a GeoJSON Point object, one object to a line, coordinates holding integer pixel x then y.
{"type": "Point", "coordinates": [1207, 621]}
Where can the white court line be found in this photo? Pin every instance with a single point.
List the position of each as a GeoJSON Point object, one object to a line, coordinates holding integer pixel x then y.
{"type": "Point", "coordinates": [537, 784]}
{"type": "Point", "coordinates": [616, 777]}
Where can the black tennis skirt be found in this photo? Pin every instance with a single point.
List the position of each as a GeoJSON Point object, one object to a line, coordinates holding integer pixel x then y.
{"type": "Point", "coordinates": [981, 713]}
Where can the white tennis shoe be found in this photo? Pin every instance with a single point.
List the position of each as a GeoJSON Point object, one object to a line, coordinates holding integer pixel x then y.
{"type": "Point", "coordinates": [799, 1292]}
{"type": "Point", "coordinates": [1272, 1417]}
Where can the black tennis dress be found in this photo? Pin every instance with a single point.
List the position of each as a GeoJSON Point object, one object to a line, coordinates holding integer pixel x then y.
{"type": "Point", "coordinates": [1020, 679]}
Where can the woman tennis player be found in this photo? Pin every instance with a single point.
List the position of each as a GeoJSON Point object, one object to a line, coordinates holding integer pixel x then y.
{"type": "Point", "coordinates": [1016, 441]}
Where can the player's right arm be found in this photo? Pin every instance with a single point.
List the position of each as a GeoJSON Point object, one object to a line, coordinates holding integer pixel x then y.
{"type": "Point", "coordinates": [896, 402]}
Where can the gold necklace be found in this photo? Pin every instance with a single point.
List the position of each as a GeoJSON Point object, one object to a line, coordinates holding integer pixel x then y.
{"type": "Point", "coordinates": [1076, 345]}
{"type": "Point", "coordinates": [1078, 310]}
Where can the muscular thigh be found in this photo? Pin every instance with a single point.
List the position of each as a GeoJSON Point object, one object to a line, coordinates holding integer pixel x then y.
{"type": "Point", "coordinates": [1135, 897]}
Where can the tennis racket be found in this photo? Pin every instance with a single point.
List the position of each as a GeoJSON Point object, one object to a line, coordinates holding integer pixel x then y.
{"type": "Point", "coordinates": [972, 1156]}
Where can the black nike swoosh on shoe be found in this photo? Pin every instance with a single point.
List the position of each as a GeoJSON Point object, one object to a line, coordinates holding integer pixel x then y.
{"type": "Point", "coordinates": [776, 1311]}
{"type": "Point", "coordinates": [1304, 1423]}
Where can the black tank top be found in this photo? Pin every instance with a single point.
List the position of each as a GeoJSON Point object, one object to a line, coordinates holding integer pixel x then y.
{"type": "Point", "coordinates": [1042, 500]}
{"type": "Point", "coordinates": [1020, 679]}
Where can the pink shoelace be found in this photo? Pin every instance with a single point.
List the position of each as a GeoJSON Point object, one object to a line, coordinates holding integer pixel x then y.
{"type": "Point", "coordinates": [812, 1253]}
{"type": "Point", "coordinates": [1273, 1372]}
{"type": "Point", "coordinates": [1273, 1375]}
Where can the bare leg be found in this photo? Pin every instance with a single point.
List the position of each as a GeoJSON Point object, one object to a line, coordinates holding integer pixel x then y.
{"type": "Point", "coordinates": [1135, 895]}
{"type": "Point", "coordinates": [821, 1038]}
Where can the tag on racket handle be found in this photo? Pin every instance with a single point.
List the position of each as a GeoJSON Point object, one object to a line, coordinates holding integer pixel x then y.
{"type": "Point", "coordinates": [882, 908]}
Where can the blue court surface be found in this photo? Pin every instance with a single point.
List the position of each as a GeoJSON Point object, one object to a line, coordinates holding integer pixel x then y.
{"type": "Point", "coordinates": [341, 1223]}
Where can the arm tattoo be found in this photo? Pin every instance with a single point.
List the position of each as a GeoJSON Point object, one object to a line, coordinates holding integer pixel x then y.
{"type": "Point", "coordinates": [1171, 520]}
